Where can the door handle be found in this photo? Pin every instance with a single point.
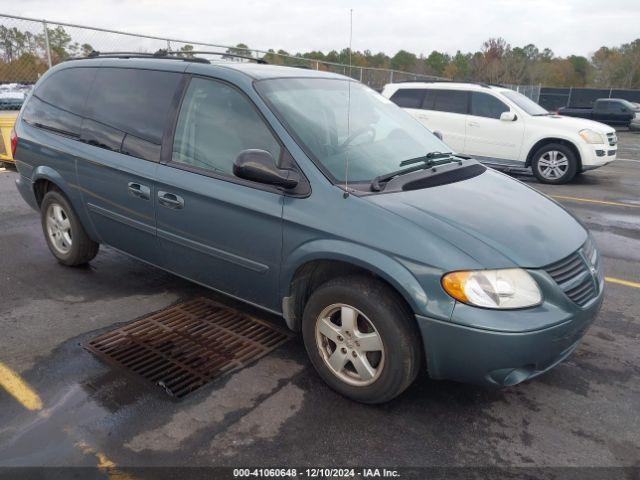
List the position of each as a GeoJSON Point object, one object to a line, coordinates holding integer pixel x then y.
{"type": "Point", "coordinates": [139, 191]}
{"type": "Point", "coordinates": [473, 124]}
{"type": "Point", "coordinates": [170, 200]}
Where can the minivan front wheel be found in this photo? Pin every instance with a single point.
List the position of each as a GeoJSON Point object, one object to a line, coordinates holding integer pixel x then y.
{"type": "Point", "coordinates": [361, 339]}
{"type": "Point", "coordinates": [554, 163]}
{"type": "Point", "coordinates": [65, 236]}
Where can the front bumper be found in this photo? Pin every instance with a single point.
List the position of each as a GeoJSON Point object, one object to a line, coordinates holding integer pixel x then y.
{"type": "Point", "coordinates": [635, 124]}
{"type": "Point", "coordinates": [498, 351]}
{"type": "Point", "coordinates": [597, 155]}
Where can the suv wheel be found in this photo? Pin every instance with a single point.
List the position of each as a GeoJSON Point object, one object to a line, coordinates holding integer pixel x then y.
{"type": "Point", "coordinates": [361, 339]}
{"type": "Point", "coordinates": [63, 231]}
{"type": "Point", "coordinates": [554, 163]}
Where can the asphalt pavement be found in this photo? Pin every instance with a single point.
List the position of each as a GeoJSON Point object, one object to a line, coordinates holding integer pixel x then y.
{"type": "Point", "coordinates": [66, 407]}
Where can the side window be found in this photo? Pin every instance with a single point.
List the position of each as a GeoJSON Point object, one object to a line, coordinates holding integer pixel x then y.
{"type": "Point", "coordinates": [67, 89]}
{"type": "Point", "coordinates": [136, 102]}
{"type": "Point", "coordinates": [485, 105]}
{"type": "Point", "coordinates": [215, 124]}
{"type": "Point", "coordinates": [57, 103]}
{"type": "Point", "coordinates": [408, 97]}
{"type": "Point", "coordinates": [429, 99]}
{"type": "Point", "coordinates": [453, 101]}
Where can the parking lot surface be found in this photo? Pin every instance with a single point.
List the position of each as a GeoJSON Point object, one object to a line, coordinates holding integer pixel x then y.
{"type": "Point", "coordinates": [62, 406]}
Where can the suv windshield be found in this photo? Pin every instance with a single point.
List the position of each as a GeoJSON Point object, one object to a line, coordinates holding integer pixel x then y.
{"type": "Point", "coordinates": [375, 137]}
{"type": "Point", "coordinates": [525, 103]}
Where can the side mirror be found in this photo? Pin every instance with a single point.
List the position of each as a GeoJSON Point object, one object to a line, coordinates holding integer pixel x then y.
{"type": "Point", "coordinates": [260, 166]}
{"type": "Point", "coordinates": [438, 134]}
{"type": "Point", "coordinates": [508, 116]}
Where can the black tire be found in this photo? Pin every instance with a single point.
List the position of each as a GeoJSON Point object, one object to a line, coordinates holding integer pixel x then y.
{"type": "Point", "coordinates": [548, 149]}
{"type": "Point", "coordinates": [82, 249]}
{"type": "Point", "coordinates": [393, 323]}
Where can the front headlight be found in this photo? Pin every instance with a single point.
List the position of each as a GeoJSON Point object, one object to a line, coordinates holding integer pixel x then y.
{"type": "Point", "coordinates": [508, 288]}
{"type": "Point", "coordinates": [591, 136]}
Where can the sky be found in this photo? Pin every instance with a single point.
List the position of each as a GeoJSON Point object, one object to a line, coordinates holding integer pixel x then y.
{"type": "Point", "coordinates": [565, 26]}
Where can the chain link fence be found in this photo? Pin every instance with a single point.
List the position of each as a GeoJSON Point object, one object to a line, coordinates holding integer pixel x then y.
{"type": "Point", "coordinates": [28, 47]}
{"type": "Point", "coordinates": [531, 91]}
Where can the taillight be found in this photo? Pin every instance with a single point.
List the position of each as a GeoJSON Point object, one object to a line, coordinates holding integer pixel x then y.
{"type": "Point", "coordinates": [14, 142]}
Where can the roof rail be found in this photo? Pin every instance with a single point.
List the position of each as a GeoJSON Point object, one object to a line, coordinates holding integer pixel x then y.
{"type": "Point", "coordinates": [209, 52]}
{"type": "Point", "coordinates": [481, 84]}
{"type": "Point", "coordinates": [158, 54]}
{"type": "Point", "coordinates": [167, 55]}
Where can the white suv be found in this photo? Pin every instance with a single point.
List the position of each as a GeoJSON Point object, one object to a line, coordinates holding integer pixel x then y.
{"type": "Point", "coordinates": [505, 129]}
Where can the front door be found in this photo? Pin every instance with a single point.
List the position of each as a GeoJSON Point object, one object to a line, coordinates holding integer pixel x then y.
{"type": "Point", "coordinates": [488, 137]}
{"type": "Point", "coordinates": [213, 227]}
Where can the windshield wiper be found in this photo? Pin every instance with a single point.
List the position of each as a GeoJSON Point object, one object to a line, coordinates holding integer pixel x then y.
{"type": "Point", "coordinates": [429, 160]}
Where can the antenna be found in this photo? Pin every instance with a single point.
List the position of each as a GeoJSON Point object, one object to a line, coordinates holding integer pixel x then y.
{"type": "Point", "coordinates": [346, 162]}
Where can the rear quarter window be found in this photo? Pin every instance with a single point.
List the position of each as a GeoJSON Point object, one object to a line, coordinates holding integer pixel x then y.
{"type": "Point", "coordinates": [67, 89]}
{"type": "Point", "coordinates": [58, 102]}
{"type": "Point", "coordinates": [408, 97]}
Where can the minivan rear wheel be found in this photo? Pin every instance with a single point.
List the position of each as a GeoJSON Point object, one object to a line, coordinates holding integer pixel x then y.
{"type": "Point", "coordinates": [65, 236]}
{"type": "Point", "coordinates": [361, 339]}
{"type": "Point", "coordinates": [554, 163]}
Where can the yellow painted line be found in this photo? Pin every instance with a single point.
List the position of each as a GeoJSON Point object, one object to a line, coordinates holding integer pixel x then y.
{"type": "Point", "coordinates": [619, 281]}
{"type": "Point", "coordinates": [105, 464]}
{"type": "Point", "coordinates": [592, 200]}
{"type": "Point", "coordinates": [19, 389]}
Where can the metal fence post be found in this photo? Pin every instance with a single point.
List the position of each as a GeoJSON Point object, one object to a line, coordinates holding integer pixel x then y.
{"type": "Point", "coordinates": [391, 76]}
{"type": "Point", "coordinates": [46, 42]}
{"type": "Point", "coordinates": [361, 74]}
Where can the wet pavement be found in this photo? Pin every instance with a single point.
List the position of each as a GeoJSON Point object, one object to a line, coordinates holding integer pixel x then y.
{"type": "Point", "coordinates": [277, 411]}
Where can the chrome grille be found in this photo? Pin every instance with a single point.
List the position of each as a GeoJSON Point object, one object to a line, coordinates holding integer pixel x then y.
{"type": "Point", "coordinates": [574, 274]}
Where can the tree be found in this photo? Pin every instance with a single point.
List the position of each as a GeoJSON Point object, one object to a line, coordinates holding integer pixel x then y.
{"type": "Point", "coordinates": [404, 60]}
{"type": "Point", "coordinates": [437, 62]}
{"type": "Point", "coordinates": [240, 49]}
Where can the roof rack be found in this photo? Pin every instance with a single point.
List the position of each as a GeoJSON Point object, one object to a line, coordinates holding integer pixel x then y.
{"type": "Point", "coordinates": [166, 55]}
{"type": "Point", "coordinates": [209, 52]}
{"type": "Point", "coordinates": [482, 84]}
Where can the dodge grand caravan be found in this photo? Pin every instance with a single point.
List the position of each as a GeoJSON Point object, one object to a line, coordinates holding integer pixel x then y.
{"type": "Point", "coordinates": [506, 130]}
{"type": "Point", "coordinates": [347, 217]}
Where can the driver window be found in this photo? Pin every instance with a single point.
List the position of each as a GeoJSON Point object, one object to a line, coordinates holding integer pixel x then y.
{"type": "Point", "coordinates": [484, 105]}
{"type": "Point", "coordinates": [216, 123]}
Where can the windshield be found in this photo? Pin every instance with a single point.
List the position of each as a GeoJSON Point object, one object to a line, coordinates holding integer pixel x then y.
{"type": "Point", "coordinates": [525, 103]}
{"type": "Point", "coordinates": [376, 138]}
{"type": "Point", "coordinates": [627, 104]}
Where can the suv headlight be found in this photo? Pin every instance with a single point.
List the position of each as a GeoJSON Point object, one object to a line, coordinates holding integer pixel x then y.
{"type": "Point", "coordinates": [502, 289]}
{"type": "Point", "coordinates": [591, 136]}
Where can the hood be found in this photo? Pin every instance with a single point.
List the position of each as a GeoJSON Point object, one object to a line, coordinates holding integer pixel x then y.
{"type": "Point", "coordinates": [498, 221]}
{"type": "Point", "coordinates": [574, 124]}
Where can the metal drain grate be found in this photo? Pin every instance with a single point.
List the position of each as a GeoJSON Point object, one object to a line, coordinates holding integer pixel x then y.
{"type": "Point", "coordinates": [188, 345]}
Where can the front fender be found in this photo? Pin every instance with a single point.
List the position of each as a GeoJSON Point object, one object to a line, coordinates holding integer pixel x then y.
{"type": "Point", "coordinates": [532, 143]}
{"type": "Point", "coordinates": [382, 265]}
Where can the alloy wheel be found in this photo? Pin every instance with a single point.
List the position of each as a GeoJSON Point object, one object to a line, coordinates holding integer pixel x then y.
{"type": "Point", "coordinates": [553, 164]}
{"type": "Point", "coordinates": [350, 345]}
{"type": "Point", "coordinates": [59, 228]}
